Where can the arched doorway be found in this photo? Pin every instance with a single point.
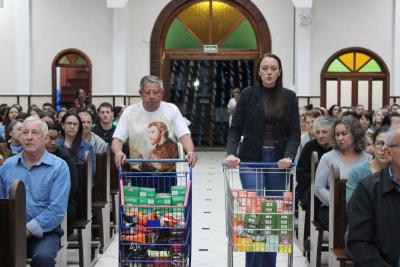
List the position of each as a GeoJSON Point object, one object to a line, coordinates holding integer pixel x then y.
{"type": "Point", "coordinates": [355, 76]}
{"type": "Point", "coordinates": [202, 50]}
{"type": "Point", "coordinates": [71, 71]}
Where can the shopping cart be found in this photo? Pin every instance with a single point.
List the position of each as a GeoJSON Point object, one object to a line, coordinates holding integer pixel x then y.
{"type": "Point", "coordinates": [259, 219]}
{"type": "Point", "coordinates": [155, 215]}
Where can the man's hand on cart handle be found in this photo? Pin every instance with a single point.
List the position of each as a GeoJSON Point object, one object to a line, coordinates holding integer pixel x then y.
{"type": "Point", "coordinates": [119, 158]}
{"type": "Point", "coordinates": [284, 163]}
{"type": "Point", "coordinates": [191, 158]}
{"type": "Point", "coordinates": [232, 161]}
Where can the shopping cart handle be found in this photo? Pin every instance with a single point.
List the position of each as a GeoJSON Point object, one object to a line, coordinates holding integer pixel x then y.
{"type": "Point", "coordinates": [260, 164]}
{"type": "Point", "coordinates": [263, 164]}
{"type": "Point", "coordinates": [154, 160]}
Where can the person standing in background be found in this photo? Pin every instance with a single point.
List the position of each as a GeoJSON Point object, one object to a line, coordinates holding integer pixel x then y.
{"type": "Point", "coordinates": [232, 104]}
{"type": "Point", "coordinates": [81, 100]}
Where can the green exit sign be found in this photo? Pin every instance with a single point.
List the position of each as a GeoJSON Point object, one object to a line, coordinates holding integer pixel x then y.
{"type": "Point", "coordinates": [210, 48]}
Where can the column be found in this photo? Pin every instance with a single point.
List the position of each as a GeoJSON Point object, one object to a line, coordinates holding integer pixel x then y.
{"type": "Point", "coordinates": [302, 50]}
{"type": "Point", "coordinates": [119, 51]}
{"type": "Point", "coordinates": [23, 48]}
{"type": "Point", "coordinates": [396, 51]}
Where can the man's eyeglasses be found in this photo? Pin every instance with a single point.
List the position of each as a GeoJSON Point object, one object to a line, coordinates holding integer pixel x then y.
{"type": "Point", "coordinates": [394, 145]}
{"type": "Point", "coordinates": [54, 139]}
{"type": "Point", "coordinates": [379, 144]}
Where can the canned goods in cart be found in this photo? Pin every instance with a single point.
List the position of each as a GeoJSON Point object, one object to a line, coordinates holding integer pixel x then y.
{"type": "Point", "coordinates": [155, 224]}
{"type": "Point", "coordinates": [259, 219]}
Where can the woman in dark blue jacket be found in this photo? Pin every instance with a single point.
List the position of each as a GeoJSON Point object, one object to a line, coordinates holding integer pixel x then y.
{"type": "Point", "coordinates": [267, 116]}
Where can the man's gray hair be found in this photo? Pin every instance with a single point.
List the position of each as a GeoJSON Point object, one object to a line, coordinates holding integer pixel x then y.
{"type": "Point", "coordinates": [151, 79]}
{"type": "Point", "coordinates": [36, 119]}
{"type": "Point", "coordinates": [323, 121]}
{"type": "Point", "coordinates": [391, 135]}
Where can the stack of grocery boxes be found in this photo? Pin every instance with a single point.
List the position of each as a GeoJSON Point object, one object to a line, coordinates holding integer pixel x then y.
{"type": "Point", "coordinates": [144, 196]}
{"type": "Point", "coordinates": [262, 224]}
{"type": "Point", "coordinates": [147, 208]}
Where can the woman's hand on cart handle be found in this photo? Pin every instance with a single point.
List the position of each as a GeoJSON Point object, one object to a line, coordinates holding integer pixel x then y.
{"type": "Point", "coordinates": [285, 163]}
{"type": "Point", "coordinates": [191, 158]}
{"type": "Point", "coordinates": [232, 161]}
{"type": "Point", "coordinates": [119, 158]}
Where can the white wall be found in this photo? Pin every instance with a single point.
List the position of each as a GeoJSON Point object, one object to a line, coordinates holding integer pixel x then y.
{"type": "Point", "coordinates": [8, 74]}
{"type": "Point", "coordinates": [140, 22]}
{"type": "Point", "coordinates": [58, 25]}
{"type": "Point", "coordinates": [341, 23]}
{"type": "Point", "coordinates": [279, 15]}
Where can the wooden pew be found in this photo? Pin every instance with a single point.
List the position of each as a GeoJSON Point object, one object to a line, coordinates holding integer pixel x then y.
{"type": "Point", "coordinates": [337, 219]}
{"type": "Point", "coordinates": [301, 228]}
{"type": "Point", "coordinates": [114, 192]}
{"type": "Point", "coordinates": [316, 229]}
{"type": "Point", "coordinates": [61, 259]}
{"type": "Point", "coordinates": [83, 216]}
{"type": "Point", "coordinates": [13, 227]}
{"type": "Point", "coordinates": [101, 198]}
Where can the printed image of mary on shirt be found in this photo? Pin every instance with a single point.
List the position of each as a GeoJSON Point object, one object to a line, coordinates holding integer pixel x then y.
{"type": "Point", "coordinates": [163, 148]}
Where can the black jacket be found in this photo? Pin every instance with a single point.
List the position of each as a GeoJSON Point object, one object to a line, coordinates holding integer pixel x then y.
{"type": "Point", "coordinates": [248, 120]}
{"type": "Point", "coordinates": [303, 171]}
{"type": "Point", "coordinates": [374, 222]}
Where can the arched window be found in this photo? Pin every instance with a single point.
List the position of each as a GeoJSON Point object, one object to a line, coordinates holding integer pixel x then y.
{"type": "Point", "coordinates": [211, 22]}
{"type": "Point", "coordinates": [355, 76]}
{"type": "Point", "coordinates": [72, 70]}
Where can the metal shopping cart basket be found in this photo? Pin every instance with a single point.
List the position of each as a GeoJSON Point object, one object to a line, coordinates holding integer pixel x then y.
{"type": "Point", "coordinates": [259, 219]}
{"type": "Point", "coordinates": [155, 215]}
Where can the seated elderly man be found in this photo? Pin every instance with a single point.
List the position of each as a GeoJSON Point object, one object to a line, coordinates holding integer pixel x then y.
{"type": "Point", "coordinates": [373, 212]}
{"type": "Point", "coordinates": [47, 183]}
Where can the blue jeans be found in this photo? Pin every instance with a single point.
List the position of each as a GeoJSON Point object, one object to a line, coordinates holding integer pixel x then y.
{"type": "Point", "coordinates": [43, 251]}
{"type": "Point", "coordinates": [254, 179]}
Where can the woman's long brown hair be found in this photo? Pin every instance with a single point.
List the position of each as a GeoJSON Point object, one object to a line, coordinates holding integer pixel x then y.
{"type": "Point", "coordinates": [276, 104]}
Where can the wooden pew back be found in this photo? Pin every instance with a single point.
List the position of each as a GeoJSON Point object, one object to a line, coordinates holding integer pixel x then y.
{"type": "Point", "coordinates": [101, 190]}
{"type": "Point", "coordinates": [13, 227]}
{"type": "Point", "coordinates": [114, 182]}
{"type": "Point", "coordinates": [337, 209]}
{"type": "Point", "coordinates": [315, 202]}
{"type": "Point", "coordinates": [84, 190]}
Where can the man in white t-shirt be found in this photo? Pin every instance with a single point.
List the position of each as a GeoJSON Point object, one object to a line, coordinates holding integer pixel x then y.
{"type": "Point", "coordinates": [136, 120]}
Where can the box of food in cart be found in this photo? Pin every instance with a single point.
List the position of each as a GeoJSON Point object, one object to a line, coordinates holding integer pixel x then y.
{"type": "Point", "coordinates": [262, 223]}
{"type": "Point", "coordinates": [155, 226]}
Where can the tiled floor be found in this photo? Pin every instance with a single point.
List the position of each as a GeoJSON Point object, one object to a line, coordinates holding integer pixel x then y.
{"type": "Point", "coordinates": [209, 246]}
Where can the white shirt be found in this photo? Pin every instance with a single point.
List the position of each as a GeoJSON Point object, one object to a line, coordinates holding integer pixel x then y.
{"type": "Point", "coordinates": [134, 122]}
{"type": "Point", "coordinates": [231, 105]}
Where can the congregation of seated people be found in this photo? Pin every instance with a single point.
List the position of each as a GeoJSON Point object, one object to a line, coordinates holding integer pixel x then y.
{"type": "Point", "coordinates": [43, 146]}
{"type": "Point", "coordinates": [363, 145]}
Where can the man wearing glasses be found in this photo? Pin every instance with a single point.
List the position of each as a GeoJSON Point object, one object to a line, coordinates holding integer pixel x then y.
{"type": "Point", "coordinates": [52, 146]}
{"type": "Point", "coordinates": [373, 212]}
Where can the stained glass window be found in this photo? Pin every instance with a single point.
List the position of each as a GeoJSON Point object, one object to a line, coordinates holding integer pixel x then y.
{"type": "Point", "coordinates": [72, 58]}
{"type": "Point", "coordinates": [211, 22]}
{"type": "Point", "coordinates": [354, 62]}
